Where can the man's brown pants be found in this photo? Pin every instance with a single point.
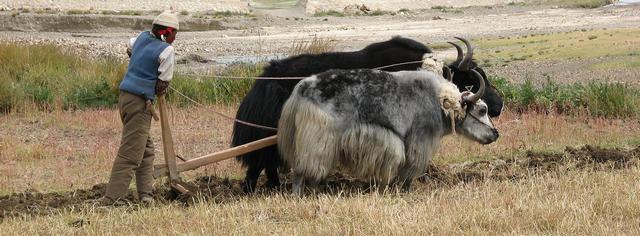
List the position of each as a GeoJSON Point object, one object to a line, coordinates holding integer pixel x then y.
{"type": "Point", "coordinates": [135, 154]}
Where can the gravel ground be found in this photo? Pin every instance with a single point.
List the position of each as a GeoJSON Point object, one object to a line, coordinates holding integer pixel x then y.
{"type": "Point", "coordinates": [268, 35]}
{"type": "Point", "coordinates": [314, 6]}
{"type": "Point", "coordinates": [565, 71]}
{"type": "Point", "coordinates": [121, 5]}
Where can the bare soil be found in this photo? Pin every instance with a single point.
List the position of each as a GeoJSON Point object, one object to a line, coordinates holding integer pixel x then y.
{"type": "Point", "coordinates": [221, 190]}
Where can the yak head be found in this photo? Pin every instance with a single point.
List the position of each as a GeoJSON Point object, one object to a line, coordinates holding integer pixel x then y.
{"type": "Point", "coordinates": [462, 73]}
{"type": "Point", "coordinates": [476, 124]}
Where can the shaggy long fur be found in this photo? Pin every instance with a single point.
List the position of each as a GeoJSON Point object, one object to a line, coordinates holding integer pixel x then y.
{"type": "Point", "coordinates": [263, 103]}
{"type": "Point", "coordinates": [370, 123]}
{"type": "Point", "coordinates": [362, 149]}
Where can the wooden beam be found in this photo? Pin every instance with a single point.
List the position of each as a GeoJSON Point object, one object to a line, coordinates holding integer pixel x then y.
{"type": "Point", "coordinates": [167, 141]}
{"type": "Point", "coordinates": [178, 187]}
{"type": "Point", "coordinates": [161, 170]}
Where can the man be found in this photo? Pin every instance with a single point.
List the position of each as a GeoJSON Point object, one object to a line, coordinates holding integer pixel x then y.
{"type": "Point", "coordinates": [149, 73]}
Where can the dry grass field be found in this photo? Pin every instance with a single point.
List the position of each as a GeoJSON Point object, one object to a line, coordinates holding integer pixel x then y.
{"type": "Point", "coordinates": [59, 151]}
{"type": "Point", "coordinates": [526, 183]}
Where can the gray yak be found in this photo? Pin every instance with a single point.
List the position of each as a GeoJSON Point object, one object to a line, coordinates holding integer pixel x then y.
{"type": "Point", "coordinates": [382, 126]}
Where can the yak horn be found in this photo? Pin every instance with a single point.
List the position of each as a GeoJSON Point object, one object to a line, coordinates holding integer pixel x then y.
{"type": "Point", "coordinates": [464, 64]}
{"type": "Point", "coordinates": [460, 53]}
{"type": "Point", "coordinates": [476, 96]}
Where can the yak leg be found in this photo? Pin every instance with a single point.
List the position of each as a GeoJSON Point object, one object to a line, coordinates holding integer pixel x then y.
{"type": "Point", "coordinates": [273, 180]}
{"type": "Point", "coordinates": [314, 185]}
{"type": "Point", "coordinates": [402, 182]}
{"type": "Point", "coordinates": [381, 187]}
{"type": "Point", "coordinates": [406, 185]}
{"type": "Point", "coordinates": [251, 178]}
{"type": "Point", "coordinates": [420, 146]}
{"type": "Point", "coordinates": [298, 184]}
{"type": "Point", "coordinates": [405, 176]}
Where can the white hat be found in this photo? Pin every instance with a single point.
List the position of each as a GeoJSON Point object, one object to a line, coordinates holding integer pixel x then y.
{"type": "Point", "coordinates": [167, 19]}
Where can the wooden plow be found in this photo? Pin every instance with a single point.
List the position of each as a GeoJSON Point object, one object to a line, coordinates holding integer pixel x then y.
{"type": "Point", "coordinates": [172, 169]}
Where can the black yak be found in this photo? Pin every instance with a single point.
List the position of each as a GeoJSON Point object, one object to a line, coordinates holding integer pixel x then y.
{"type": "Point", "coordinates": [374, 124]}
{"type": "Point", "coordinates": [263, 103]}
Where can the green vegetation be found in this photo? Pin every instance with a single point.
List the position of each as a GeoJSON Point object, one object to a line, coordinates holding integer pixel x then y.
{"type": "Point", "coordinates": [516, 4]}
{"type": "Point", "coordinates": [46, 11]}
{"type": "Point", "coordinates": [569, 45]}
{"type": "Point", "coordinates": [440, 46]}
{"type": "Point", "coordinates": [209, 90]}
{"type": "Point", "coordinates": [49, 78]}
{"type": "Point", "coordinates": [575, 3]}
{"type": "Point", "coordinates": [589, 4]}
{"type": "Point", "coordinates": [78, 12]}
{"type": "Point", "coordinates": [124, 13]}
{"type": "Point", "coordinates": [220, 14]}
{"type": "Point", "coordinates": [314, 46]}
{"type": "Point", "coordinates": [446, 9]}
{"type": "Point", "coordinates": [629, 61]}
{"type": "Point", "coordinates": [440, 7]}
{"type": "Point", "coordinates": [273, 4]}
{"type": "Point", "coordinates": [360, 13]}
{"type": "Point", "coordinates": [223, 14]}
{"type": "Point", "coordinates": [380, 13]}
{"type": "Point", "coordinates": [329, 13]}
{"type": "Point", "coordinates": [595, 98]}
{"type": "Point", "coordinates": [612, 100]}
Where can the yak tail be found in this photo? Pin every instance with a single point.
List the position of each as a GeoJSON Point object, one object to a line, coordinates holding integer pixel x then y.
{"type": "Point", "coordinates": [307, 138]}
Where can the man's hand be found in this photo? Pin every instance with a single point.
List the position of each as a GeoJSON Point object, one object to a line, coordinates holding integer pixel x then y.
{"type": "Point", "coordinates": [161, 87]}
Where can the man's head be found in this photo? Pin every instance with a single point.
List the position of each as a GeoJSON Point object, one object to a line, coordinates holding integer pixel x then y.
{"type": "Point", "coordinates": [166, 26]}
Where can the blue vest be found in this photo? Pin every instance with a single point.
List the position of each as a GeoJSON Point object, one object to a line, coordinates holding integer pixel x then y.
{"type": "Point", "coordinates": [142, 74]}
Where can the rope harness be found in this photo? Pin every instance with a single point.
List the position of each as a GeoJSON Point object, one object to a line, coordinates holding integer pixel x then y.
{"type": "Point", "coordinates": [225, 116]}
{"type": "Point", "coordinates": [284, 78]}
{"type": "Point", "coordinates": [257, 78]}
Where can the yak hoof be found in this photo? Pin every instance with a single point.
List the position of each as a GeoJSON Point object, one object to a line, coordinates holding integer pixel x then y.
{"type": "Point", "coordinates": [249, 188]}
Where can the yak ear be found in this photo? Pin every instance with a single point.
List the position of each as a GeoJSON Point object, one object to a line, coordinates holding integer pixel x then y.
{"type": "Point", "coordinates": [447, 73]}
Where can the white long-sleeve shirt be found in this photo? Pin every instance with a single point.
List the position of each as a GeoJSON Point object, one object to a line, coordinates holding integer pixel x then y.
{"type": "Point", "coordinates": [166, 59]}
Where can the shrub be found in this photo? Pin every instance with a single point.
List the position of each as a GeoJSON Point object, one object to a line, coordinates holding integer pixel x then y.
{"type": "Point", "coordinates": [211, 90]}
{"type": "Point", "coordinates": [613, 100]}
{"type": "Point", "coordinates": [47, 76]}
{"type": "Point", "coordinates": [329, 13]}
{"type": "Point", "coordinates": [313, 46]}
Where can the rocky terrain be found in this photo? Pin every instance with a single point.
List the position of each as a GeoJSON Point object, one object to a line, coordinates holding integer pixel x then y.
{"type": "Point", "coordinates": [269, 33]}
